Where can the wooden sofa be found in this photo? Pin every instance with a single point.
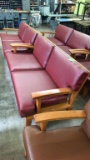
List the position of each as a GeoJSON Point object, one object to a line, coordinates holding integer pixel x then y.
{"type": "Point", "coordinates": [67, 38]}
{"type": "Point", "coordinates": [45, 79]}
{"type": "Point", "coordinates": [74, 43]}
{"type": "Point", "coordinates": [25, 37]}
{"type": "Point", "coordinates": [68, 143]}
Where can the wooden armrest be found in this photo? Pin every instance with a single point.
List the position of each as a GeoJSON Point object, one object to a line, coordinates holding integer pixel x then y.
{"type": "Point", "coordinates": [10, 29]}
{"type": "Point", "coordinates": [81, 51]}
{"type": "Point", "coordinates": [43, 33]}
{"type": "Point", "coordinates": [43, 118]}
{"type": "Point", "coordinates": [59, 115]}
{"type": "Point", "coordinates": [26, 45]}
{"type": "Point", "coordinates": [51, 92]}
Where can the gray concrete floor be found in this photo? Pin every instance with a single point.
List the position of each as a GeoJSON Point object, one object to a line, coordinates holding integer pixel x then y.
{"type": "Point", "coordinates": [11, 124]}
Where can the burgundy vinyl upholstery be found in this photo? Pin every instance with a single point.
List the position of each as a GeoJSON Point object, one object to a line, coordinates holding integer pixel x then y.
{"type": "Point", "coordinates": [46, 68]}
{"type": "Point", "coordinates": [7, 47]}
{"type": "Point", "coordinates": [56, 41]}
{"type": "Point", "coordinates": [22, 29]}
{"type": "Point", "coordinates": [66, 38]}
{"type": "Point", "coordinates": [22, 61]}
{"type": "Point", "coordinates": [70, 143]}
{"type": "Point", "coordinates": [65, 49]}
{"type": "Point", "coordinates": [78, 40]}
{"type": "Point", "coordinates": [62, 34]}
{"type": "Point", "coordinates": [10, 37]}
{"type": "Point", "coordinates": [7, 39]}
{"type": "Point", "coordinates": [27, 82]}
{"type": "Point", "coordinates": [59, 73]}
{"type": "Point", "coordinates": [35, 60]}
{"type": "Point", "coordinates": [51, 78]}
{"type": "Point", "coordinates": [42, 50]}
{"type": "Point", "coordinates": [29, 36]}
{"type": "Point", "coordinates": [14, 37]}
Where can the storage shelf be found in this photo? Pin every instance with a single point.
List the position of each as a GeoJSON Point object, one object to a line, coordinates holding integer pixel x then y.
{"type": "Point", "coordinates": [11, 4]}
{"type": "Point", "coordinates": [33, 3]}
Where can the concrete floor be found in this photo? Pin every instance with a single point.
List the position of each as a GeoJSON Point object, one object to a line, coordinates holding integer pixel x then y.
{"type": "Point", "coordinates": [11, 124]}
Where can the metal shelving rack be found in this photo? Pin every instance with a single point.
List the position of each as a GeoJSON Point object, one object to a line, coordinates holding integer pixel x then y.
{"type": "Point", "coordinates": [33, 4]}
{"type": "Point", "coordinates": [10, 4]}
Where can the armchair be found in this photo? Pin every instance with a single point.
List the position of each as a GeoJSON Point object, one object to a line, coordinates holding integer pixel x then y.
{"type": "Point", "coordinates": [68, 143]}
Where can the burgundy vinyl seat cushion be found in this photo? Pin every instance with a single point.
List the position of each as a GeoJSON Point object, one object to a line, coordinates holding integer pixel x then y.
{"type": "Point", "coordinates": [27, 82]}
{"type": "Point", "coordinates": [6, 45]}
{"type": "Point", "coordinates": [59, 144]}
{"type": "Point", "coordinates": [22, 61]}
{"type": "Point", "coordinates": [65, 49]}
{"type": "Point", "coordinates": [10, 37]}
{"type": "Point", "coordinates": [56, 41]}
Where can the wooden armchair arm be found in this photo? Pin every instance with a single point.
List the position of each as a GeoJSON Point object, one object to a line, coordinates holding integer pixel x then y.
{"type": "Point", "coordinates": [25, 45]}
{"type": "Point", "coordinates": [46, 32]}
{"type": "Point", "coordinates": [43, 118]}
{"type": "Point", "coordinates": [38, 96]}
{"type": "Point", "coordinates": [74, 52]}
{"type": "Point", "coordinates": [10, 29]}
{"type": "Point", "coordinates": [81, 51]}
{"type": "Point", "coordinates": [51, 92]}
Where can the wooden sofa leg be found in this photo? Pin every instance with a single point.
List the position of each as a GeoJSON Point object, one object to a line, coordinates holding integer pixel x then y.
{"type": "Point", "coordinates": [25, 154]}
{"type": "Point", "coordinates": [28, 120]}
{"type": "Point", "coordinates": [43, 126]}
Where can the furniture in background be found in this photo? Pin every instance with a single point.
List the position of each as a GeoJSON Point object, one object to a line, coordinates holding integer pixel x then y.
{"type": "Point", "coordinates": [67, 38]}
{"type": "Point", "coordinates": [8, 4]}
{"type": "Point", "coordinates": [16, 19]}
{"type": "Point", "coordinates": [70, 143]}
{"type": "Point", "coordinates": [9, 20]}
{"type": "Point", "coordinates": [83, 25]}
{"type": "Point", "coordinates": [2, 19]}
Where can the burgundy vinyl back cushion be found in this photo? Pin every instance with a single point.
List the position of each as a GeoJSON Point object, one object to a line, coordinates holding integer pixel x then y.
{"type": "Point", "coordinates": [42, 49]}
{"type": "Point", "coordinates": [63, 33]}
{"type": "Point", "coordinates": [29, 35]}
{"type": "Point", "coordinates": [65, 71]}
{"type": "Point", "coordinates": [22, 28]}
{"type": "Point", "coordinates": [79, 40]}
